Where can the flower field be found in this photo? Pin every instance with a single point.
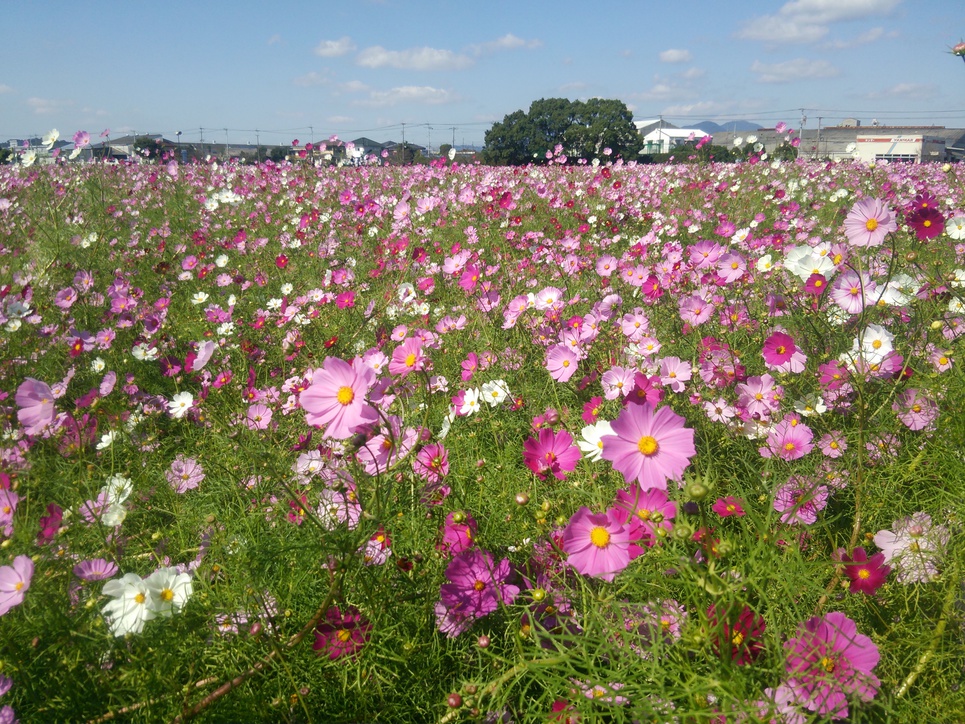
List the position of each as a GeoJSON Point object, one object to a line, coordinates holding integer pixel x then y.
{"type": "Point", "coordinates": [592, 442]}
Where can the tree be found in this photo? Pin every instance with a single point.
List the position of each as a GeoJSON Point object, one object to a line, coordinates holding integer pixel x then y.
{"type": "Point", "coordinates": [147, 147]}
{"type": "Point", "coordinates": [581, 129]}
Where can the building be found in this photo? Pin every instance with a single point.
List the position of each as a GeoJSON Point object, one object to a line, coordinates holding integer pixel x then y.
{"type": "Point", "coordinates": [910, 148]}
{"type": "Point", "coordinates": [665, 140]}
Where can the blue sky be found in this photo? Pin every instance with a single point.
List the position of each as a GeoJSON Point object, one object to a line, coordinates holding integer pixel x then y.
{"type": "Point", "coordinates": [363, 68]}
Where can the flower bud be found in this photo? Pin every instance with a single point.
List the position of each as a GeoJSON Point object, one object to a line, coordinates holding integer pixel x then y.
{"type": "Point", "coordinates": [522, 498]}
{"type": "Point", "coordinates": [454, 701]}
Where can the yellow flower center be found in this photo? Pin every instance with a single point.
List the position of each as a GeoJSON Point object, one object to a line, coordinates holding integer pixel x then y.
{"type": "Point", "coordinates": [643, 514]}
{"type": "Point", "coordinates": [343, 635]}
{"type": "Point", "coordinates": [478, 586]}
{"type": "Point", "coordinates": [926, 223]}
{"type": "Point", "coordinates": [864, 574]}
{"type": "Point", "coordinates": [410, 360]}
{"type": "Point", "coordinates": [167, 595]}
{"type": "Point", "coordinates": [737, 639]}
{"type": "Point", "coordinates": [876, 344]}
{"type": "Point", "coordinates": [871, 224]}
{"type": "Point", "coordinates": [600, 537]}
{"type": "Point", "coordinates": [18, 586]}
{"type": "Point", "coordinates": [647, 445]}
{"type": "Point", "coordinates": [829, 664]}
{"type": "Point", "coordinates": [345, 395]}
{"type": "Point", "coordinates": [140, 598]}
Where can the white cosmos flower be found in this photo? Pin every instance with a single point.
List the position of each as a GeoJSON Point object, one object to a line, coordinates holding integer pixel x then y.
{"type": "Point", "coordinates": [144, 352]}
{"type": "Point", "coordinates": [470, 402]}
{"type": "Point", "coordinates": [199, 298]}
{"type": "Point", "coordinates": [97, 365]}
{"type": "Point", "coordinates": [955, 228]}
{"type": "Point", "coordinates": [221, 261]}
{"type": "Point", "coordinates": [739, 141]}
{"type": "Point", "coordinates": [592, 442]}
{"type": "Point", "coordinates": [287, 288]}
{"type": "Point", "coordinates": [169, 590]}
{"type": "Point", "coordinates": [495, 392]}
{"type": "Point", "coordinates": [130, 608]}
{"type": "Point", "coordinates": [107, 439]}
{"type": "Point", "coordinates": [28, 158]}
{"type": "Point", "coordinates": [50, 138]}
{"type": "Point", "coordinates": [180, 404]}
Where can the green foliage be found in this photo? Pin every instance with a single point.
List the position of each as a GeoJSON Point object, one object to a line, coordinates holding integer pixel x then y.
{"type": "Point", "coordinates": [582, 129]}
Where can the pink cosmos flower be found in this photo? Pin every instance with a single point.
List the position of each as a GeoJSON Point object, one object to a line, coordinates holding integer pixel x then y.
{"type": "Point", "coordinates": [477, 585]}
{"type": "Point", "coordinates": [728, 506]}
{"type": "Point", "coordinates": [674, 373]}
{"type": "Point", "coordinates": [561, 362]}
{"type": "Point", "coordinates": [778, 349]}
{"type": "Point", "coordinates": [649, 447]}
{"type": "Point", "coordinates": [184, 474]}
{"type": "Point", "coordinates": [432, 463]}
{"type": "Point", "coordinates": [833, 444]}
{"type": "Point", "coordinates": [458, 533]}
{"type": "Point", "coordinates": [800, 501]}
{"type": "Point", "coordinates": [596, 544]}
{"type": "Point", "coordinates": [788, 440]}
{"type": "Point", "coordinates": [647, 515]}
{"type": "Point", "coordinates": [869, 222]}
{"type": "Point", "coordinates": [14, 582]}
{"type": "Point", "coordinates": [915, 410]}
{"type": "Point", "coordinates": [36, 402]}
{"type": "Point", "coordinates": [829, 661]}
{"type": "Point", "coordinates": [552, 452]}
{"type": "Point", "coordinates": [336, 398]}
{"type": "Point", "coordinates": [915, 546]}
{"type": "Point", "coordinates": [341, 634]}
{"type": "Point", "coordinates": [8, 505]}
{"type": "Point", "coordinates": [407, 357]}
{"type": "Point", "coordinates": [853, 291]}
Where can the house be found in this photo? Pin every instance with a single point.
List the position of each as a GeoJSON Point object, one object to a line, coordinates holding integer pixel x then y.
{"type": "Point", "coordinates": [665, 140]}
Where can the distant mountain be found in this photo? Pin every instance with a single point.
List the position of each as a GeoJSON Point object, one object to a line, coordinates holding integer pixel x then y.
{"type": "Point", "coordinates": [733, 126]}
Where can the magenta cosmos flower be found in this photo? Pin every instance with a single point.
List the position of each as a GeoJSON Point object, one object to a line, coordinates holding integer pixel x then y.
{"type": "Point", "coordinates": [341, 634]}
{"type": "Point", "coordinates": [336, 398]}
{"type": "Point", "coordinates": [36, 402]}
{"type": "Point", "coordinates": [869, 222]}
{"type": "Point", "coordinates": [14, 582]}
{"type": "Point", "coordinates": [649, 447]}
{"type": "Point", "coordinates": [867, 575]}
{"type": "Point", "coordinates": [828, 661]}
{"type": "Point", "coordinates": [553, 452]}
{"type": "Point", "coordinates": [477, 585]}
{"type": "Point", "coordinates": [597, 544]}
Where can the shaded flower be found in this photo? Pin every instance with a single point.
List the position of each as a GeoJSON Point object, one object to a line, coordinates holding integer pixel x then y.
{"type": "Point", "coordinates": [736, 635]}
{"type": "Point", "coordinates": [866, 574]}
{"type": "Point", "coordinates": [36, 402]}
{"type": "Point", "coordinates": [341, 634]}
{"type": "Point", "coordinates": [828, 661]}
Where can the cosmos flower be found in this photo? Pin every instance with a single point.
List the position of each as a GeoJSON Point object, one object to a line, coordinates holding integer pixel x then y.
{"type": "Point", "coordinates": [867, 575]}
{"type": "Point", "coordinates": [828, 661]}
{"type": "Point", "coordinates": [341, 633]}
{"type": "Point", "coordinates": [649, 447]}
{"type": "Point", "coordinates": [551, 452]}
{"type": "Point", "coordinates": [336, 398]}
{"type": "Point", "coordinates": [596, 544]}
{"type": "Point", "coordinates": [14, 582]}
{"type": "Point", "coordinates": [36, 402]}
{"type": "Point", "coordinates": [869, 222]}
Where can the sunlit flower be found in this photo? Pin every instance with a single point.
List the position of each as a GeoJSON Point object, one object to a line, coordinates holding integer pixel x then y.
{"type": "Point", "coordinates": [180, 405]}
{"type": "Point", "coordinates": [649, 447]}
{"type": "Point", "coordinates": [596, 544]}
{"type": "Point", "coordinates": [869, 222]}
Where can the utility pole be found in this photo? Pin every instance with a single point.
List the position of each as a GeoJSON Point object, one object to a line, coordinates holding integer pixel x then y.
{"type": "Point", "coordinates": [453, 129]}
{"type": "Point", "coordinates": [202, 142]}
{"type": "Point", "coordinates": [258, 145]}
{"type": "Point", "coordinates": [817, 145]}
{"type": "Point", "coordinates": [429, 144]}
{"type": "Point", "coordinates": [226, 145]}
{"type": "Point", "coordinates": [403, 143]}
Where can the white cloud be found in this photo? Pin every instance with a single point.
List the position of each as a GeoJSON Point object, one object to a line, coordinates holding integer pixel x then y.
{"type": "Point", "coordinates": [906, 91]}
{"type": "Point", "coordinates": [675, 55]}
{"type": "Point", "coordinates": [4, 88]}
{"type": "Point", "coordinates": [274, 39]}
{"type": "Point", "coordinates": [506, 42]}
{"type": "Point", "coordinates": [412, 59]}
{"type": "Point", "coordinates": [807, 21]}
{"type": "Point", "coordinates": [692, 73]}
{"type": "Point", "coordinates": [335, 48]}
{"type": "Point", "coordinates": [792, 70]}
{"type": "Point", "coordinates": [701, 108]}
{"type": "Point", "coordinates": [409, 94]}
{"type": "Point", "coordinates": [339, 119]}
{"type": "Point", "coordinates": [869, 36]}
{"type": "Point", "coordinates": [353, 86]}
{"type": "Point", "coordinates": [311, 79]}
{"type": "Point", "coordinates": [44, 106]}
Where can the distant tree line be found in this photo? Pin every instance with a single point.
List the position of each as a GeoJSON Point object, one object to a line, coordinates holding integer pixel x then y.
{"type": "Point", "coordinates": [582, 129]}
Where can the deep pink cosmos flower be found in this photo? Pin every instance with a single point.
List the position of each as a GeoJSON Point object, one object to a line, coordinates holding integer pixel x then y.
{"type": "Point", "coordinates": [800, 501]}
{"type": "Point", "coordinates": [458, 533]}
{"type": "Point", "coordinates": [336, 398]}
{"type": "Point", "coordinates": [867, 575]}
{"type": "Point", "coordinates": [736, 635]}
{"type": "Point", "coordinates": [728, 506]}
{"type": "Point", "coordinates": [477, 585]}
{"type": "Point", "coordinates": [50, 524]}
{"type": "Point", "coordinates": [649, 447]}
{"type": "Point", "coordinates": [828, 661]}
{"type": "Point", "coordinates": [432, 463]}
{"type": "Point", "coordinates": [552, 452]}
{"type": "Point", "coordinates": [597, 544]}
{"type": "Point", "coordinates": [869, 222]}
{"type": "Point", "coordinates": [927, 223]}
{"type": "Point", "coordinates": [14, 582]}
{"type": "Point", "coordinates": [778, 349]}
{"type": "Point", "coordinates": [341, 634]}
{"type": "Point", "coordinates": [36, 402]}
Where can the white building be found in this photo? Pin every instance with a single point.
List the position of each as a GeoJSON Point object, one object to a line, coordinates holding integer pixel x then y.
{"type": "Point", "coordinates": [912, 148]}
{"type": "Point", "coordinates": [665, 140]}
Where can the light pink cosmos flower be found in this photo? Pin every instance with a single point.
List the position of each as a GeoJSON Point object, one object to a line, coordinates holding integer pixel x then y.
{"type": "Point", "coordinates": [853, 291]}
{"type": "Point", "coordinates": [914, 546]}
{"type": "Point", "coordinates": [800, 501]}
{"type": "Point", "coordinates": [258, 417]}
{"type": "Point", "coordinates": [647, 515]}
{"type": "Point", "coordinates": [788, 440]}
{"type": "Point", "coordinates": [561, 362]}
{"type": "Point", "coordinates": [829, 661]}
{"type": "Point", "coordinates": [407, 357]}
{"type": "Point", "coordinates": [336, 398]}
{"type": "Point", "coordinates": [915, 410]}
{"type": "Point", "coordinates": [596, 544]}
{"type": "Point", "coordinates": [649, 447]}
{"type": "Point", "coordinates": [14, 582]}
{"type": "Point", "coordinates": [869, 222]}
{"type": "Point", "coordinates": [36, 402]}
{"type": "Point", "coordinates": [184, 474]}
